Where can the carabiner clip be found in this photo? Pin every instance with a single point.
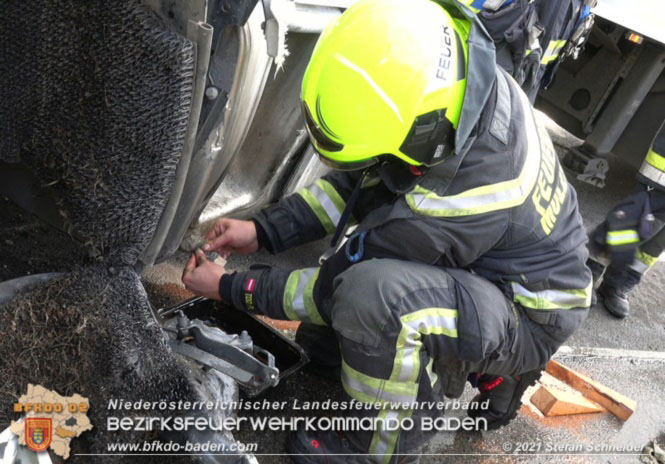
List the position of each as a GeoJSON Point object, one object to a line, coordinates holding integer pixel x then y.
{"type": "Point", "coordinates": [360, 249]}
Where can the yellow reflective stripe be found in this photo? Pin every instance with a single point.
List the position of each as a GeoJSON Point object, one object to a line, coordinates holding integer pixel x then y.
{"type": "Point", "coordinates": [407, 342]}
{"type": "Point", "coordinates": [325, 202]}
{"type": "Point", "coordinates": [328, 188]}
{"type": "Point", "coordinates": [622, 237]}
{"type": "Point", "coordinates": [383, 442]}
{"type": "Point", "coordinates": [552, 52]}
{"type": "Point", "coordinates": [289, 295]}
{"type": "Point", "coordinates": [430, 372]}
{"type": "Point", "coordinates": [652, 173]}
{"type": "Point", "coordinates": [653, 167]}
{"type": "Point", "coordinates": [310, 305]}
{"type": "Point", "coordinates": [643, 262]}
{"type": "Point", "coordinates": [433, 321]}
{"type": "Point", "coordinates": [646, 258]}
{"type": "Point", "coordinates": [298, 301]}
{"type": "Point", "coordinates": [318, 210]}
{"type": "Point", "coordinates": [406, 367]}
{"type": "Point", "coordinates": [552, 299]}
{"type": "Point", "coordinates": [428, 321]}
{"type": "Point", "coordinates": [656, 160]}
{"type": "Point", "coordinates": [479, 200]}
{"type": "Point", "coordinates": [369, 389]}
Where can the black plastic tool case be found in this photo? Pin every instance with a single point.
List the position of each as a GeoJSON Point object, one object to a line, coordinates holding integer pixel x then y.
{"type": "Point", "coordinates": [289, 357]}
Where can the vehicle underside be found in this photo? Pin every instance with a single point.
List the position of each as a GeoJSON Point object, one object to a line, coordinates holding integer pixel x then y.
{"type": "Point", "coordinates": [128, 127]}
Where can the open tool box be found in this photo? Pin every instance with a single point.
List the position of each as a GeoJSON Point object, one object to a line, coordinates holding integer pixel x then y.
{"type": "Point", "coordinates": [233, 342]}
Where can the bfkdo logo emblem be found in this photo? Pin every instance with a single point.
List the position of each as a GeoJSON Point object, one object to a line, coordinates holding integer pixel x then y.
{"type": "Point", "coordinates": [38, 433]}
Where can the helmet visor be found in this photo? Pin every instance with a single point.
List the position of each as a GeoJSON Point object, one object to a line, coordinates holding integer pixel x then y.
{"type": "Point", "coordinates": [316, 135]}
{"type": "Point", "coordinates": [321, 141]}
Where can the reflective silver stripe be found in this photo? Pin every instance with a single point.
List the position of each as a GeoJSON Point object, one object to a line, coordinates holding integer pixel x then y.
{"type": "Point", "coordinates": [326, 202]}
{"type": "Point", "coordinates": [383, 448]}
{"type": "Point", "coordinates": [622, 237]}
{"type": "Point", "coordinates": [638, 266]}
{"type": "Point", "coordinates": [643, 262]}
{"type": "Point", "coordinates": [368, 389]}
{"type": "Point", "coordinates": [433, 378]}
{"type": "Point", "coordinates": [500, 124]}
{"type": "Point", "coordinates": [428, 321]}
{"type": "Point", "coordinates": [427, 324]}
{"type": "Point", "coordinates": [653, 173]}
{"type": "Point", "coordinates": [299, 296]}
{"type": "Point", "coordinates": [552, 299]}
{"type": "Point", "coordinates": [501, 195]}
{"type": "Point", "coordinates": [410, 342]}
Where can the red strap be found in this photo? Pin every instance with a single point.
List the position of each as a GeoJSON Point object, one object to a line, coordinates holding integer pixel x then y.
{"type": "Point", "coordinates": [491, 385]}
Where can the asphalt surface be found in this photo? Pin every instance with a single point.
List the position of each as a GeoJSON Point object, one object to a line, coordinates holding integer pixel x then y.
{"type": "Point", "coordinates": [530, 438]}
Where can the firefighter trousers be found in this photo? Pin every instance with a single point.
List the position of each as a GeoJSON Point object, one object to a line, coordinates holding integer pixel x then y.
{"type": "Point", "coordinates": [403, 326]}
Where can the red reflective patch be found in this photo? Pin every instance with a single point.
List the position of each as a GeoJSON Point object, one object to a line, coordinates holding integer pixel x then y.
{"type": "Point", "coordinates": [415, 170]}
{"type": "Point", "coordinates": [315, 444]}
{"type": "Point", "coordinates": [485, 387]}
{"type": "Point", "coordinates": [250, 286]}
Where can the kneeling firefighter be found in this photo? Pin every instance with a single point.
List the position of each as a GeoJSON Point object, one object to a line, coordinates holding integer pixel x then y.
{"type": "Point", "coordinates": [468, 260]}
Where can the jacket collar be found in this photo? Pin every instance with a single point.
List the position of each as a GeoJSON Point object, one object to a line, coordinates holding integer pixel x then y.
{"type": "Point", "coordinates": [480, 79]}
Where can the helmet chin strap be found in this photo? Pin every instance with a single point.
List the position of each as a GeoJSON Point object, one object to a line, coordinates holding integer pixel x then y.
{"type": "Point", "coordinates": [399, 177]}
{"type": "Point", "coordinates": [347, 210]}
{"type": "Point", "coordinates": [396, 176]}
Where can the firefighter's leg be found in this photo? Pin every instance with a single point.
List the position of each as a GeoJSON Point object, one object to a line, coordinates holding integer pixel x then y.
{"type": "Point", "coordinates": [619, 281]}
{"type": "Point", "coordinates": [649, 252]}
{"type": "Point", "coordinates": [376, 316]}
{"type": "Point", "coordinates": [402, 326]}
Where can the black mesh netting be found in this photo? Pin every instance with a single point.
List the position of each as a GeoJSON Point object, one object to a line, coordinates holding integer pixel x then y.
{"type": "Point", "coordinates": [95, 100]}
{"type": "Point", "coordinates": [92, 333]}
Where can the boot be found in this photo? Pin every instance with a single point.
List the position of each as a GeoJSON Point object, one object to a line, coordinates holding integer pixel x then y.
{"type": "Point", "coordinates": [313, 447]}
{"type": "Point", "coordinates": [615, 289]}
{"type": "Point", "coordinates": [505, 397]}
{"type": "Point", "coordinates": [320, 344]}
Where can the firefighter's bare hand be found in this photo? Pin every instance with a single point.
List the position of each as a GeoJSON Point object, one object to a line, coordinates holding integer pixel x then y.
{"type": "Point", "coordinates": [202, 276]}
{"type": "Point", "coordinates": [232, 236]}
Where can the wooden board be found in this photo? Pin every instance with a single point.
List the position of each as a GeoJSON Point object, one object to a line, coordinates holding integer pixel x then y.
{"type": "Point", "coordinates": [556, 401]}
{"type": "Point", "coordinates": [618, 404]}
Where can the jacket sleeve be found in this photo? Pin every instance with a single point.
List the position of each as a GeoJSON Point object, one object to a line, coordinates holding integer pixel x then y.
{"type": "Point", "coordinates": [301, 294]}
{"type": "Point", "coordinates": [276, 293]}
{"type": "Point", "coordinates": [310, 214]}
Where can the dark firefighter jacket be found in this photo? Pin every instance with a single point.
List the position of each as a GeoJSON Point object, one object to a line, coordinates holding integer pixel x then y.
{"type": "Point", "coordinates": [501, 208]}
{"type": "Point", "coordinates": [506, 213]}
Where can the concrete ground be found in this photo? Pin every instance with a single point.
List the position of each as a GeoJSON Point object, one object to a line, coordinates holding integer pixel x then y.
{"type": "Point", "coordinates": [530, 438]}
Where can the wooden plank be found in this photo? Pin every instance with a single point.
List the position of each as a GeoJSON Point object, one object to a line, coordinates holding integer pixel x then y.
{"type": "Point", "coordinates": [555, 401]}
{"type": "Point", "coordinates": [618, 404]}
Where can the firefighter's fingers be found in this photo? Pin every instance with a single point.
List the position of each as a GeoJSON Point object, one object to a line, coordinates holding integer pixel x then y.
{"type": "Point", "coordinates": [200, 257]}
{"type": "Point", "coordinates": [218, 243]}
{"type": "Point", "coordinates": [218, 229]}
{"type": "Point", "coordinates": [189, 267]}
